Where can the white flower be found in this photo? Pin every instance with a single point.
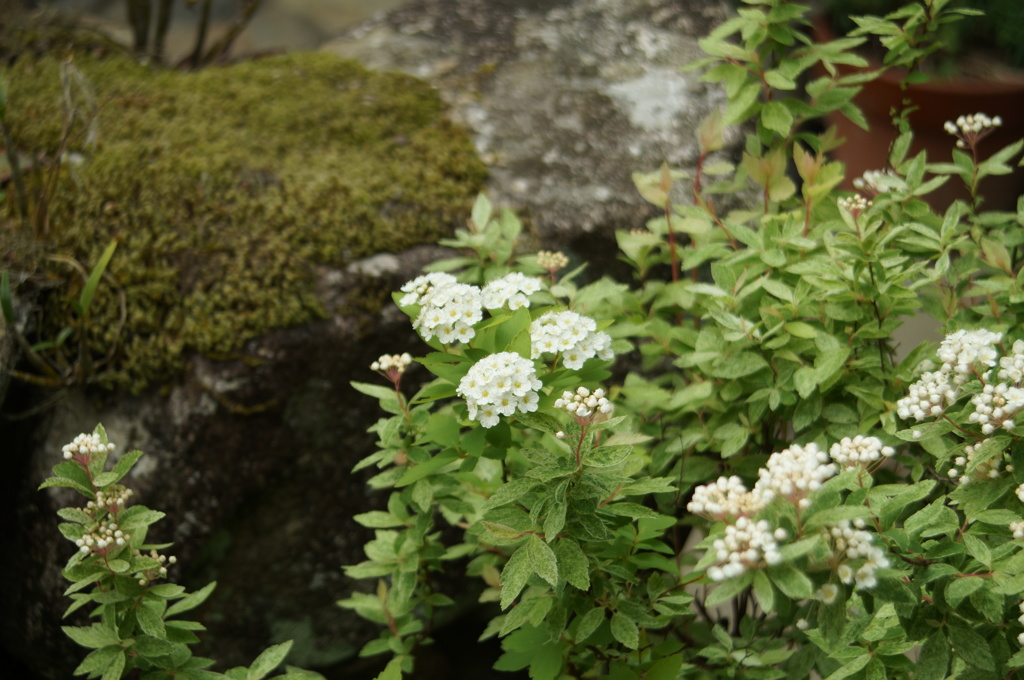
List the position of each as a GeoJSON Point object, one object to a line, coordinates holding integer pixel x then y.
{"type": "Point", "coordinates": [827, 593]}
{"type": "Point", "coordinates": [499, 384]}
{"type": "Point", "coordinates": [511, 289]}
{"type": "Point", "coordinates": [574, 335]}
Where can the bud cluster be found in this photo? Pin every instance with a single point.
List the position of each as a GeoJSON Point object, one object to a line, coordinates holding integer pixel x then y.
{"type": "Point", "coordinates": [794, 474]}
{"type": "Point", "coordinates": [103, 539]}
{"type": "Point", "coordinates": [745, 545]}
{"type": "Point", "coordinates": [584, 403]}
{"type": "Point", "coordinates": [552, 260]}
{"type": "Point", "coordinates": [84, 446]}
{"type": "Point", "coordinates": [854, 544]}
{"type": "Point", "coordinates": [971, 128]}
{"type": "Point", "coordinates": [854, 205]}
{"type": "Point", "coordinates": [726, 497]}
{"type": "Point", "coordinates": [113, 500]}
{"type": "Point", "coordinates": [859, 452]}
{"type": "Point", "coordinates": [154, 573]}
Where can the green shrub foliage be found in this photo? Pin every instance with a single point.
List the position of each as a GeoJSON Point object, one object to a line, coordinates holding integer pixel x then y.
{"type": "Point", "coordinates": [770, 486]}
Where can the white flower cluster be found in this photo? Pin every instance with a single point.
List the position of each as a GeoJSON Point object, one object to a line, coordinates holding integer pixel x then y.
{"type": "Point", "coordinates": [794, 474]}
{"type": "Point", "coordinates": [995, 405]}
{"type": "Point", "coordinates": [395, 363]}
{"type": "Point", "coordinates": [1017, 528]}
{"type": "Point", "coordinates": [574, 335]}
{"type": "Point", "coordinates": [448, 309]}
{"type": "Point", "coordinates": [584, 403]}
{"type": "Point", "coordinates": [726, 497]}
{"type": "Point", "coordinates": [1011, 366]}
{"type": "Point", "coordinates": [962, 351]}
{"type": "Point", "coordinates": [879, 181]}
{"type": "Point", "coordinates": [854, 543]}
{"type": "Point", "coordinates": [744, 545]}
{"type": "Point", "coordinates": [859, 452]}
{"type": "Point", "coordinates": [1020, 493]}
{"type": "Point", "coordinates": [511, 289]}
{"type": "Point", "coordinates": [970, 128]}
{"type": "Point", "coordinates": [499, 384]}
{"type": "Point", "coordinates": [962, 354]}
{"type": "Point", "coordinates": [854, 205]}
{"type": "Point", "coordinates": [552, 260]}
{"type": "Point", "coordinates": [84, 446]}
{"type": "Point", "coordinates": [104, 538]}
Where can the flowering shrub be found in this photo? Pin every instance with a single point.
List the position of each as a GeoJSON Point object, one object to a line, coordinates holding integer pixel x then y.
{"type": "Point", "coordinates": [772, 487]}
{"type": "Point", "coordinates": [118, 575]}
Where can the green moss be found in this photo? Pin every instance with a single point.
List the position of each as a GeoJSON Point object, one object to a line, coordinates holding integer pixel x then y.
{"type": "Point", "coordinates": [226, 187]}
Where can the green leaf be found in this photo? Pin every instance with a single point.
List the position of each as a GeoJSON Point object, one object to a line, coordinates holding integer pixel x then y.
{"type": "Point", "coordinates": [124, 465]}
{"type": "Point", "coordinates": [726, 590]}
{"type": "Point", "coordinates": [98, 660]}
{"type": "Point", "coordinates": [150, 622]}
{"type": "Point", "coordinates": [959, 588]}
{"type": "Point", "coordinates": [393, 671]}
{"type": "Point", "coordinates": [764, 591]}
{"type": "Point", "coordinates": [547, 662]}
{"type": "Point", "coordinates": [667, 668]}
{"type": "Point", "coordinates": [588, 623]}
{"type": "Point", "coordinates": [6, 301]}
{"type": "Point", "coordinates": [418, 472]}
{"type": "Point", "coordinates": [607, 456]}
{"type": "Point", "coordinates": [542, 559]}
{"type": "Point", "coordinates": [378, 519]}
{"type": "Point", "coordinates": [116, 668]}
{"type": "Point", "coordinates": [970, 646]}
{"type": "Point", "coordinates": [94, 636]}
{"type": "Point", "coordinates": [501, 531]}
{"type": "Point", "coordinates": [481, 213]}
{"type": "Point", "coordinates": [851, 667]}
{"type": "Point", "coordinates": [573, 564]}
{"type": "Point", "coordinates": [85, 299]}
{"type": "Point", "coordinates": [270, 659]}
{"type": "Point", "coordinates": [933, 661]}
{"type": "Point", "coordinates": [777, 117]}
{"type": "Point", "coordinates": [625, 631]}
{"type": "Point", "coordinates": [792, 581]}
{"type": "Point", "coordinates": [191, 601]}
{"type": "Point", "coordinates": [510, 492]}
{"type": "Point", "coordinates": [514, 576]}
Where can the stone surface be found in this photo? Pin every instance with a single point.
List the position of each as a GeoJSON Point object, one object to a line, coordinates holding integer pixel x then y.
{"type": "Point", "coordinates": [564, 99]}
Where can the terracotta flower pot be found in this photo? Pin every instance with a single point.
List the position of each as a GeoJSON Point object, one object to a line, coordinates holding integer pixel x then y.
{"type": "Point", "coordinates": [936, 102]}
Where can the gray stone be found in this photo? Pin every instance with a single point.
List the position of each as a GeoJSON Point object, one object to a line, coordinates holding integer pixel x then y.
{"type": "Point", "coordinates": [564, 99]}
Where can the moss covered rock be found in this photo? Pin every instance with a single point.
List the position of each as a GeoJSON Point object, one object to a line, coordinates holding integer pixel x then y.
{"type": "Point", "coordinates": [225, 189]}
